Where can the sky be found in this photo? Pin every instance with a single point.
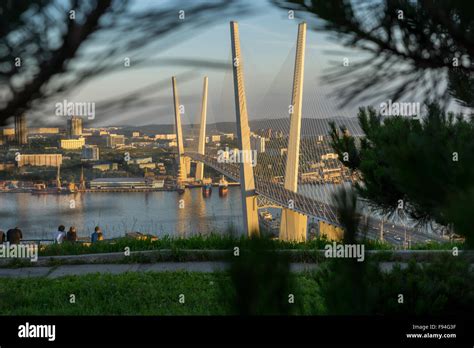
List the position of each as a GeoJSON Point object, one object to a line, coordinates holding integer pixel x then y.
{"type": "Point", "coordinates": [268, 42]}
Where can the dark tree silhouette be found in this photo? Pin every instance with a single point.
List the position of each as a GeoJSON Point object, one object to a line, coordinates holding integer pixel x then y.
{"type": "Point", "coordinates": [461, 87]}
{"type": "Point", "coordinates": [422, 49]}
{"type": "Point", "coordinates": [345, 145]}
{"type": "Point", "coordinates": [412, 46]}
{"type": "Point", "coordinates": [48, 47]}
{"type": "Point", "coordinates": [427, 164]}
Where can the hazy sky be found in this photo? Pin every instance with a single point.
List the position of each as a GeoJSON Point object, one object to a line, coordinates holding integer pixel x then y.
{"type": "Point", "coordinates": [268, 41]}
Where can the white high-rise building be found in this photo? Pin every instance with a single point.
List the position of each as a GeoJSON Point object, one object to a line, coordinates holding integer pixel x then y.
{"type": "Point", "coordinates": [257, 143]}
{"type": "Point", "coordinates": [90, 153]}
{"type": "Point", "coordinates": [74, 127]}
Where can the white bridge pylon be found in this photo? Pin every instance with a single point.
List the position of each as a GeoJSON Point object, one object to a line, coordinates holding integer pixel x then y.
{"type": "Point", "coordinates": [247, 180]}
{"type": "Point", "coordinates": [202, 131]}
{"type": "Point", "coordinates": [293, 225]}
{"type": "Point", "coordinates": [182, 167]}
{"type": "Point", "coordinates": [184, 162]}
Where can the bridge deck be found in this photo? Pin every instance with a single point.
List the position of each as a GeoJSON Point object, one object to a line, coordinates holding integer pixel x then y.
{"type": "Point", "coordinates": [273, 192]}
{"type": "Point", "coordinates": [277, 194]}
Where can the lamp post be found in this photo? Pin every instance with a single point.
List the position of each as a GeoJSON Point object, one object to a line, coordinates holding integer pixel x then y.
{"type": "Point", "coordinates": [381, 229]}
{"type": "Point", "coordinates": [405, 242]}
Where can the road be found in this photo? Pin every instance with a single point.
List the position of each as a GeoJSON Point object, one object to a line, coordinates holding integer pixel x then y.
{"type": "Point", "coordinates": [393, 234]}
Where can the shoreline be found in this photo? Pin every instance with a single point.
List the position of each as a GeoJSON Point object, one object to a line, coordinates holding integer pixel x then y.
{"type": "Point", "coordinates": [163, 189]}
{"type": "Point", "coordinates": [111, 189]}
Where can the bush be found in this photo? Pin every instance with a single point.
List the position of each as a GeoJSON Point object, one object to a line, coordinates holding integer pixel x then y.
{"type": "Point", "coordinates": [444, 286]}
{"type": "Point", "coordinates": [261, 281]}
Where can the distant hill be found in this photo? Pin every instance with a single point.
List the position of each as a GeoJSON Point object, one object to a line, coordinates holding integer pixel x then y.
{"type": "Point", "coordinates": [309, 126]}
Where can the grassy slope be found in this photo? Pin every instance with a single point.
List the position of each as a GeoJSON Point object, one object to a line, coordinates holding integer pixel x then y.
{"type": "Point", "coordinates": [126, 294]}
{"type": "Point", "coordinates": [444, 286]}
{"type": "Point", "coordinates": [201, 242]}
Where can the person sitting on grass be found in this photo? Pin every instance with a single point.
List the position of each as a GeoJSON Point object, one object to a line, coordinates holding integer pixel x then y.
{"type": "Point", "coordinates": [60, 234]}
{"type": "Point", "coordinates": [14, 236]}
{"type": "Point", "coordinates": [97, 235]}
{"type": "Point", "coordinates": [71, 235]}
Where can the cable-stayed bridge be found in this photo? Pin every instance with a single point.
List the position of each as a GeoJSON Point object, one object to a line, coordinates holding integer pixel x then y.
{"type": "Point", "coordinates": [298, 173]}
{"type": "Point", "coordinates": [274, 193]}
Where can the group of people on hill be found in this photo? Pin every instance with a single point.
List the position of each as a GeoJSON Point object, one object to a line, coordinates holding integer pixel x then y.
{"type": "Point", "coordinates": [71, 236]}
{"type": "Point", "coordinates": [13, 236]}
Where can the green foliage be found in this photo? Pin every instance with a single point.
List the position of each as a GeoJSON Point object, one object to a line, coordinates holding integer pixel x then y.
{"type": "Point", "coordinates": [428, 164]}
{"type": "Point", "coordinates": [444, 286]}
{"type": "Point", "coordinates": [461, 87]}
{"type": "Point", "coordinates": [133, 294]}
{"type": "Point", "coordinates": [342, 282]}
{"type": "Point", "coordinates": [261, 281]}
{"type": "Point", "coordinates": [199, 242]}
{"type": "Point", "coordinates": [210, 242]}
{"type": "Point", "coordinates": [107, 294]}
{"type": "Point", "coordinates": [437, 246]}
{"type": "Point", "coordinates": [344, 144]}
{"type": "Point", "coordinates": [344, 287]}
{"type": "Point", "coordinates": [346, 202]}
{"type": "Point", "coordinates": [377, 171]}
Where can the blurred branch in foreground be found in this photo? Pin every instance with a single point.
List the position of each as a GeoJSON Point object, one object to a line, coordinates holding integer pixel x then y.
{"type": "Point", "coordinates": [49, 47]}
{"type": "Point", "coordinates": [261, 281]}
{"type": "Point", "coordinates": [421, 48]}
{"type": "Point", "coordinates": [421, 167]}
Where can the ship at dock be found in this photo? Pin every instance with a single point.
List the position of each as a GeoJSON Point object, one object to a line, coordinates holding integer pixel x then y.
{"type": "Point", "coordinates": [116, 184]}
{"type": "Point", "coordinates": [40, 188]}
{"type": "Point", "coordinates": [181, 189]}
{"type": "Point", "coordinates": [223, 187]}
{"type": "Point", "coordinates": [206, 190]}
{"type": "Point", "coordinates": [269, 226]}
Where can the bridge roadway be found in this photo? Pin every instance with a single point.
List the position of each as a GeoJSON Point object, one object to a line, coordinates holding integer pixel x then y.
{"type": "Point", "coordinates": [277, 194]}
{"type": "Point", "coordinates": [272, 191]}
